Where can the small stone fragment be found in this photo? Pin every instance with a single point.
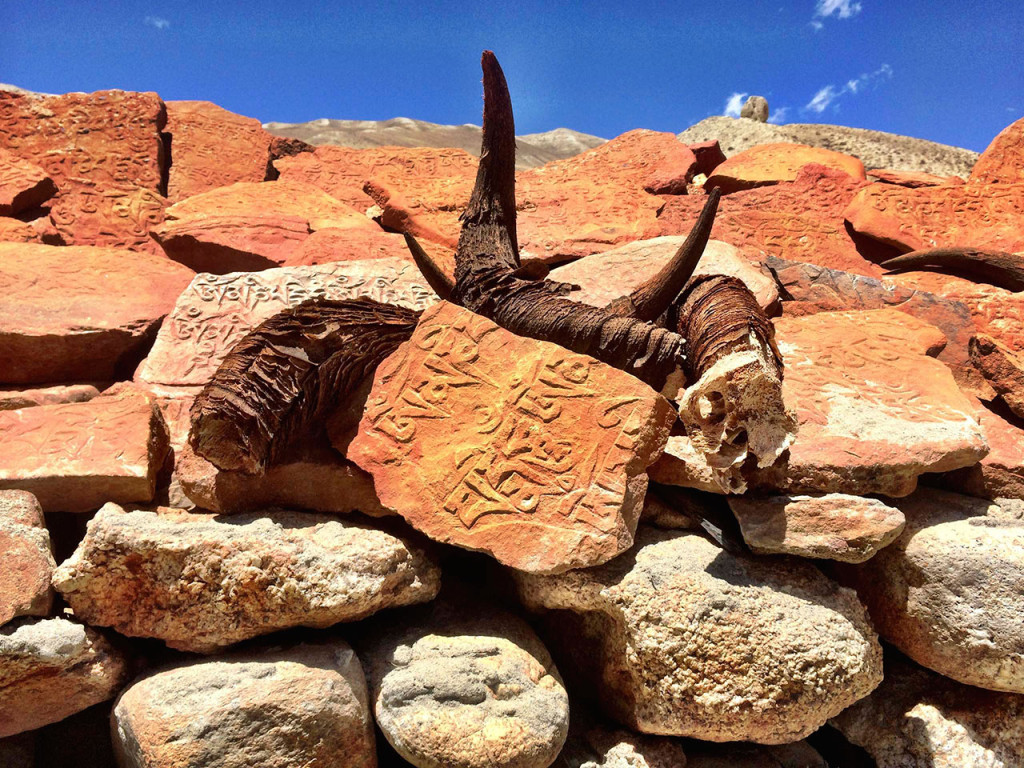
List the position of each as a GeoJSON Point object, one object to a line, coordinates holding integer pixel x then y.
{"type": "Point", "coordinates": [13, 399]}
{"type": "Point", "coordinates": [834, 526]}
{"type": "Point", "coordinates": [52, 668]}
{"type": "Point", "coordinates": [684, 638]}
{"type": "Point", "coordinates": [272, 707]}
{"type": "Point", "coordinates": [467, 689]}
{"type": "Point", "coordinates": [201, 582]}
{"type": "Point", "coordinates": [27, 557]}
{"type": "Point", "coordinates": [755, 108]}
{"type": "Point", "coordinates": [23, 184]}
{"type": "Point", "coordinates": [594, 746]}
{"type": "Point", "coordinates": [510, 446]}
{"type": "Point", "coordinates": [771, 163]}
{"type": "Point", "coordinates": [1003, 368]}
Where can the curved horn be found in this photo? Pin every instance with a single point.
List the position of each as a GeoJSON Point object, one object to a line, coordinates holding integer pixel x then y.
{"type": "Point", "coordinates": [1004, 270]}
{"type": "Point", "coordinates": [436, 277]}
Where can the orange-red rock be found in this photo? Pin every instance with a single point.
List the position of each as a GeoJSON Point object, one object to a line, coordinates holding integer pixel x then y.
{"type": "Point", "coordinates": [970, 215]}
{"type": "Point", "coordinates": [27, 559]}
{"type": "Point", "coordinates": [79, 313]}
{"type": "Point", "coordinates": [212, 147]}
{"type": "Point", "coordinates": [109, 215]}
{"type": "Point", "coordinates": [75, 457]}
{"type": "Point", "coordinates": [912, 179]}
{"type": "Point", "coordinates": [12, 399]}
{"type": "Point", "coordinates": [252, 226]}
{"type": "Point", "coordinates": [1001, 473]}
{"type": "Point", "coordinates": [875, 410]}
{"type": "Point", "coordinates": [1003, 160]}
{"type": "Point", "coordinates": [771, 163]}
{"type": "Point", "coordinates": [709, 156]}
{"type": "Point", "coordinates": [14, 231]}
{"type": "Point", "coordinates": [215, 311]}
{"type": "Point", "coordinates": [1003, 368]}
{"type": "Point", "coordinates": [351, 244]}
{"type": "Point", "coordinates": [23, 184]}
{"type": "Point", "coordinates": [511, 446]}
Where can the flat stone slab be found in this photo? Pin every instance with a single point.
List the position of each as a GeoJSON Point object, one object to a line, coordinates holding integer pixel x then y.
{"type": "Point", "coordinates": [511, 446]}
{"type": "Point", "coordinates": [771, 163]}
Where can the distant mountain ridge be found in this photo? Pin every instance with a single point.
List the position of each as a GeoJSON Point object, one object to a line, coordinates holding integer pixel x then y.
{"type": "Point", "coordinates": [532, 150]}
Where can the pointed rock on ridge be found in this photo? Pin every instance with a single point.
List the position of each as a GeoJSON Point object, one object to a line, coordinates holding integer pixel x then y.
{"type": "Point", "coordinates": [772, 163]}
{"type": "Point", "coordinates": [27, 559]}
{"type": "Point", "coordinates": [1003, 161]}
{"type": "Point", "coordinates": [23, 184]}
{"type": "Point", "coordinates": [511, 446]}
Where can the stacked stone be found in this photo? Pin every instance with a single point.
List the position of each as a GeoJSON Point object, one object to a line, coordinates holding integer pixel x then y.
{"type": "Point", "coordinates": [628, 604]}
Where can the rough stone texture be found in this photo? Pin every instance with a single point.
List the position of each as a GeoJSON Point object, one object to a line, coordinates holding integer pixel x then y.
{"type": "Point", "coordinates": [467, 688]}
{"type": "Point", "coordinates": [604, 277]}
{"type": "Point", "coordinates": [772, 163]}
{"type": "Point", "coordinates": [683, 465]}
{"type": "Point", "coordinates": [1003, 368]}
{"type": "Point", "coordinates": [76, 457]}
{"type": "Point", "coordinates": [912, 179]}
{"type": "Point", "coordinates": [688, 639]}
{"type": "Point", "coordinates": [799, 754]}
{"type": "Point", "coordinates": [810, 289]}
{"type": "Point", "coordinates": [274, 708]}
{"type": "Point", "coordinates": [335, 244]}
{"type": "Point", "coordinates": [800, 220]}
{"type": "Point", "coordinates": [109, 215]}
{"type": "Point", "coordinates": [1003, 161]}
{"type": "Point", "coordinates": [917, 719]}
{"type": "Point", "coordinates": [52, 668]}
{"type": "Point", "coordinates": [253, 226]}
{"type": "Point", "coordinates": [875, 410]}
{"type": "Point", "coordinates": [969, 215]}
{"type": "Point", "coordinates": [23, 184]}
{"type": "Point", "coordinates": [15, 231]}
{"type": "Point", "coordinates": [12, 399]}
{"type": "Point", "coordinates": [27, 559]}
{"type": "Point", "coordinates": [77, 313]}
{"type": "Point", "coordinates": [834, 526]}
{"type": "Point", "coordinates": [709, 156]}
{"type": "Point", "coordinates": [201, 582]}
{"type": "Point", "coordinates": [1001, 473]}
{"type": "Point", "coordinates": [755, 108]}
{"type": "Point", "coordinates": [212, 147]}
{"type": "Point", "coordinates": [876, 149]}
{"type": "Point", "coordinates": [511, 446]}
{"type": "Point", "coordinates": [216, 311]}
{"type": "Point", "coordinates": [594, 746]}
{"type": "Point", "coordinates": [950, 592]}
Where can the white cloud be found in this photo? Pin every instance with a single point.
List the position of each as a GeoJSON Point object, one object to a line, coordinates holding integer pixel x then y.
{"type": "Point", "coordinates": [734, 104]}
{"type": "Point", "coordinates": [822, 99]}
{"type": "Point", "coordinates": [841, 9]}
{"type": "Point", "coordinates": [827, 96]}
{"type": "Point", "coordinates": [778, 117]}
{"type": "Point", "coordinates": [817, 25]}
{"type": "Point", "coordinates": [156, 22]}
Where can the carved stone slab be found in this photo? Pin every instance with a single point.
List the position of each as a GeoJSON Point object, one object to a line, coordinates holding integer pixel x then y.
{"type": "Point", "coordinates": [215, 311]}
{"type": "Point", "coordinates": [771, 163]}
{"type": "Point", "coordinates": [23, 185]}
{"type": "Point", "coordinates": [1003, 161]}
{"type": "Point", "coordinates": [213, 147]}
{"type": "Point", "coordinates": [971, 215]}
{"type": "Point", "coordinates": [515, 447]}
{"type": "Point", "coordinates": [77, 456]}
{"type": "Point", "coordinates": [75, 313]}
{"type": "Point", "coordinates": [109, 215]}
{"type": "Point", "coordinates": [875, 410]}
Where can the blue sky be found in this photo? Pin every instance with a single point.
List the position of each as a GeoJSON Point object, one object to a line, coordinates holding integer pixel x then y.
{"type": "Point", "coordinates": [936, 69]}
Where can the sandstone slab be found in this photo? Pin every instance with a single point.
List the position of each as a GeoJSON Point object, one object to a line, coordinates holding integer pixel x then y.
{"type": "Point", "coordinates": [771, 163]}
{"type": "Point", "coordinates": [212, 147]}
{"type": "Point", "coordinates": [1001, 473]}
{"type": "Point", "coordinates": [687, 639]}
{"type": "Point", "coordinates": [15, 231]}
{"type": "Point", "coordinates": [216, 311]}
{"type": "Point", "coordinates": [1003, 368]}
{"type": "Point", "coordinates": [709, 156]}
{"type": "Point", "coordinates": [75, 457]}
{"type": "Point", "coordinates": [53, 668]}
{"type": "Point", "coordinates": [79, 313]}
{"type": "Point", "coordinates": [1003, 161]}
{"type": "Point", "coordinates": [27, 558]}
{"type": "Point", "coordinates": [917, 719]}
{"type": "Point", "coordinates": [949, 592]}
{"type": "Point", "coordinates": [12, 399]}
{"type": "Point", "coordinates": [833, 526]}
{"type": "Point", "coordinates": [511, 446]}
{"type": "Point", "coordinates": [109, 215]}
{"type": "Point", "coordinates": [969, 215]}
{"type": "Point", "coordinates": [23, 184]}
{"type": "Point", "coordinates": [875, 410]}
{"type": "Point", "coordinates": [467, 689]}
{"type": "Point", "coordinates": [201, 582]}
{"type": "Point", "coordinates": [351, 244]}
{"type": "Point", "coordinates": [912, 179]}
{"type": "Point", "coordinates": [273, 707]}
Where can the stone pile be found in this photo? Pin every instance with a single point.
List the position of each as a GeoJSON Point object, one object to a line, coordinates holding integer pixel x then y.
{"type": "Point", "coordinates": [499, 552]}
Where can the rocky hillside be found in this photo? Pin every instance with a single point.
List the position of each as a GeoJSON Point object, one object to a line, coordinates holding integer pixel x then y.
{"type": "Point", "coordinates": [725, 466]}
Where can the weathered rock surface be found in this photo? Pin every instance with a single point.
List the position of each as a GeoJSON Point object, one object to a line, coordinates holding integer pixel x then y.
{"type": "Point", "coordinates": [275, 708]}
{"type": "Point", "coordinates": [78, 313]}
{"type": "Point", "coordinates": [917, 719]}
{"type": "Point", "coordinates": [12, 399]}
{"type": "Point", "coordinates": [109, 215]}
{"type": "Point", "coordinates": [755, 108]}
{"type": "Point", "coordinates": [592, 746]}
{"type": "Point", "coordinates": [969, 215]}
{"type": "Point", "coordinates": [27, 559]}
{"type": "Point", "coordinates": [949, 593]}
{"type": "Point", "coordinates": [604, 277]}
{"type": "Point", "coordinates": [253, 226]}
{"type": "Point", "coordinates": [688, 639]}
{"type": "Point", "coordinates": [1001, 473]}
{"type": "Point", "coordinates": [201, 582]}
{"type": "Point", "coordinates": [1002, 367]}
{"type": "Point", "coordinates": [772, 163]}
{"type": "Point", "coordinates": [467, 689]}
{"type": "Point", "coordinates": [683, 465]}
{"type": "Point", "coordinates": [212, 147]}
{"type": "Point", "coordinates": [77, 456]}
{"type": "Point", "coordinates": [52, 668]}
{"type": "Point", "coordinates": [1003, 161]}
{"type": "Point", "coordinates": [15, 231]}
{"type": "Point", "coordinates": [511, 446]}
{"type": "Point", "coordinates": [875, 410]}
{"type": "Point", "coordinates": [912, 179]}
{"type": "Point", "coordinates": [353, 244]}
{"type": "Point", "coordinates": [216, 311]}
{"type": "Point", "coordinates": [23, 184]}
{"type": "Point", "coordinates": [834, 526]}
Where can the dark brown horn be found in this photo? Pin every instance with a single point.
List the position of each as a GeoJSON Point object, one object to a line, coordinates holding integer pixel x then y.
{"type": "Point", "coordinates": [436, 277]}
{"type": "Point", "coordinates": [1004, 270]}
